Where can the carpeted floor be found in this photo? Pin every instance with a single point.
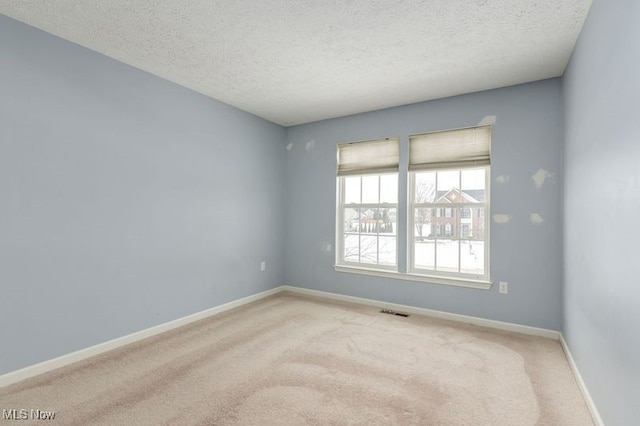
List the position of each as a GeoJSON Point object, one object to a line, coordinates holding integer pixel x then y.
{"type": "Point", "coordinates": [294, 360]}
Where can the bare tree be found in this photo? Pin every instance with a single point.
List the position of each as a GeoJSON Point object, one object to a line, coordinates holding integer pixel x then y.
{"type": "Point", "coordinates": [365, 251]}
{"type": "Point", "coordinates": [372, 223]}
{"type": "Point", "coordinates": [425, 192]}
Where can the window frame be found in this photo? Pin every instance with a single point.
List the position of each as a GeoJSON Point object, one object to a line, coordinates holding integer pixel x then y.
{"type": "Point", "coordinates": [412, 205]}
{"type": "Point", "coordinates": [389, 160]}
{"type": "Point", "coordinates": [340, 231]}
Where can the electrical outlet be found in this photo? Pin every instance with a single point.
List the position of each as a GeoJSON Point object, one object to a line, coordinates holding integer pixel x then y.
{"type": "Point", "coordinates": [504, 287]}
{"type": "Point", "coordinates": [263, 266]}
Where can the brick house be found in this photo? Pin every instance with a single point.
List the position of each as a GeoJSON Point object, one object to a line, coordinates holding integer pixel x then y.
{"type": "Point", "coordinates": [457, 222]}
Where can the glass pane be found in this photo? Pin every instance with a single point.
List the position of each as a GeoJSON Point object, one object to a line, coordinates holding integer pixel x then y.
{"type": "Point", "coordinates": [424, 232]}
{"type": "Point", "coordinates": [424, 254]}
{"type": "Point", "coordinates": [425, 190]}
{"type": "Point", "coordinates": [472, 257]}
{"type": "Point", "coordinates": [476, 224]}
{"type": "Point", "coordinates": [465, 223]}
{"type": "Point", "coordinates": [368, 249]}
{"type": "Point", "coordinates": [387, 251]}
{"type": "Point", "coordinates": [448, 186]}
{"type": "Point", "coordinates": [472, 244]}
{"type": "Point", "coordinates": [447, 254]}
{"type": "Point", "coordinates": [473, 185]}
{"type": "Point", "coordinates": [370, 189]}
{"type": "Point", "coordinates": [423, 221]}
{"type": "Point", "coordinates": [368, 221]}
{"type": "Point", "coordinates": [351, 220]}
{"type": "Point", "coordinates": [465, 231]}
{"type": "Point", "coordinates": [387, 221]}
{"type": "Point", "coordinates": [352, 190]}
{"type": "Point", "coordinates": [351, 247]}
{"type": "Point", "coordinates": [389, 189]}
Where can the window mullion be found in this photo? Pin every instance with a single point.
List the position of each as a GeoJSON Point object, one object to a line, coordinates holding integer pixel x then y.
{"type": "Point", "coordinates": [360, 225]}
{"type": "Point", "coordinates": [340, 256]}
{"type": "Point", "coordinates": [487, 203]}
{"type": "Point", "coordinates": [457, 211]}
{"type": "Point", "coordinates": [435, 239]}
{"type": "Point", "coordinates": [377, 228]}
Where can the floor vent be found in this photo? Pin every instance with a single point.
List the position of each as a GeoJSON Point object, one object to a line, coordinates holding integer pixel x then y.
{"type": "Point", "coordinates": [390, 312]}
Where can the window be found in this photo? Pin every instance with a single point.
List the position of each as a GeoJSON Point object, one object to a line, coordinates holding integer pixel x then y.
{"type": "Point", "coordinates": [443, 219]}
{"type": "Point", "coordinates": [450, 168]}
{"type": "Point", "coordinates": [367, 204]}
{"type": "Point", "coordinates": [464, 230]}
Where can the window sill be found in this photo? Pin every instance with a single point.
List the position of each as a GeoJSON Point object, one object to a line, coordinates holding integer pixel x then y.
{"type": "Point", "coordinates": [458, 282]}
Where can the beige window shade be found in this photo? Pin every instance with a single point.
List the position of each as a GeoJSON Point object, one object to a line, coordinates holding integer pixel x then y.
{"type": "Point", "coordinates": [450, 149]}
{"type": "Point", "coordinates": [377, 156]}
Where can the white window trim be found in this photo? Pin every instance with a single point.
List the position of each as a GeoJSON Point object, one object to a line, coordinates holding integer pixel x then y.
{"type": "Point", "coordinates": [432, 279]}
{"type": "Point", "coordinates": [383, 271]}
{"type": "Point", "coordinates": [339, 260]}
{"type": "Point", "coordinates": [448, 276]}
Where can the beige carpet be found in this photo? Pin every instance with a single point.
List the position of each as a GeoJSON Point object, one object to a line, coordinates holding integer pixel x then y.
{"type": "Point", "coordinates": [294, 360]}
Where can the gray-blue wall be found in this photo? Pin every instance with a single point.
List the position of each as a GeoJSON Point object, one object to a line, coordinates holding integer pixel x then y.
{"type": "Point", "coordinates": [125, 200]}
{"type": "Point", "coordinates": [527, 137]}
{"type": "Point", "coordinates": [602, 208]}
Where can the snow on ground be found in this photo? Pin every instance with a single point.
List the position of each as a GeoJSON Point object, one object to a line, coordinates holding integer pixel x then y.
{"type": "Point", "coordinates": [447, 253]}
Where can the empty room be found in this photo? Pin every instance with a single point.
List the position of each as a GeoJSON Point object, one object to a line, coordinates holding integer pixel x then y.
{"type": "Point", "coordinates": [319, 212]}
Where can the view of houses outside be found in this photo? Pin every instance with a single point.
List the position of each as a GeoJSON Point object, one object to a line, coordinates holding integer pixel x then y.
{"type": "Point", "coordinates": [448, 220]}
{"type": "Point", "coordinates": [369, 221]}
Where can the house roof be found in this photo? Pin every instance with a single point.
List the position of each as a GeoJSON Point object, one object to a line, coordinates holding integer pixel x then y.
{"type": "Point", "coordinates": [468, 195]}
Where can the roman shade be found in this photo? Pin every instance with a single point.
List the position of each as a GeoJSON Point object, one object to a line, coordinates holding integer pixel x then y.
{"type": "Point", "coordinates": [375, 156]}
{"type": "Point", "coordinates": [450, 149]}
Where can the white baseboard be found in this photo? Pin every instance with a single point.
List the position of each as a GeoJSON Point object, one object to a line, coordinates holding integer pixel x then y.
{"type": "Point", "coordinates": [61, 361]}
{"type": "Point", "coordinates": [552, 334]}
{"type": "Point", "coordinates": [581, 384]}
{"type": "Point", "coordinates": [534, 331]}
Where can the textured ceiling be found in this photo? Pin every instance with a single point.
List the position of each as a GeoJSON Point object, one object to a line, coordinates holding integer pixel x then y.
{"type": "Point", "coordinates": [297, 61]}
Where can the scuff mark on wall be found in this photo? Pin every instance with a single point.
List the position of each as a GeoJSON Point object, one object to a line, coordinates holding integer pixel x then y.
{"type": "Point", "coordinates": [310, 145]}
{"type": "Point", "coordinates": [536, 218]}
{"type": "Point", "coordinates": [540, 177]}
{"type": "Point", "coordinates": [501, 218]}
{"type": "Point", "coordinates": [489, 120]}
{"type": "Point", "coordinates": [503, 179]}
{"type": "Point", "coordinates": [289, 146]}
{"type": "Point", "coordinates": [326, 247]}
